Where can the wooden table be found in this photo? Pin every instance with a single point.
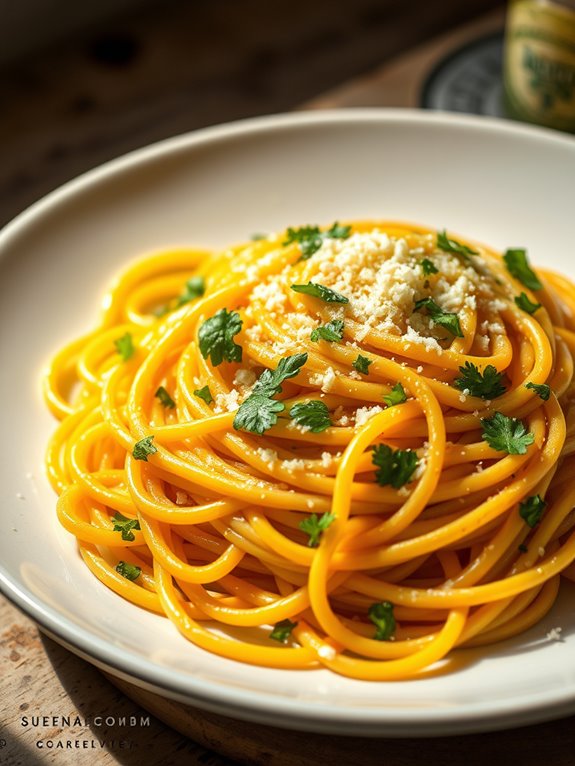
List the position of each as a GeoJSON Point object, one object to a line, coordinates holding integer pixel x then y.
{"type": "Point", "coordinates": [38, 677]}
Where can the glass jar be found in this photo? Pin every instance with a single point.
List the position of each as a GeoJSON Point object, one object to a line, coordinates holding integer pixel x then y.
{"type": "Point", "coordinates": [539, 68]}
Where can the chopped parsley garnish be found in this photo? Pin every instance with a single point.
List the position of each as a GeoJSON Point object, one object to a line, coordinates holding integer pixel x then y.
{"type": "Point", "coordinates": [361, 364]}
{"type": "Point", "coordinates": [395, 467]}
{"type": "Point", "coordinates": [506, 434]}
{"type": "Point", "coordinates": [129, 571]}
{"type": "Point", "coordinates": [143, 448]}
{"type": "Point", "coordinates": [453, 246]}
{"type": "Point", "coordinates": [487, 384]}
{"type": "Point", "coordinates": [518, 266]}
{"type": "Point", "coordinates": [381, 614]}
{"type": "Point", "coordinates": [443, 318]}
{"type": "Point", "coordinates": [525, 304]}
{"type": "Point", "coordinates": [314, 526]}
{"type": "Point", "coordinates": [125, 346]}
{"type": "Point", "coordinates": [216, 337]}
{"type": "Point", "coordinates": [282, 631]}
{"type": "Point", "coordinates": [428, 267]}
{"type": "Point", "coordinates": [523, 548]}
{"type": "Point", "coordinates": [165, 398]}
{"type": "Point", "coordinates": [310, 238]}
{"type": "Point", "coordinates": [397, 395]}
{"type": "Point", "coordinates": [124, 525]}
{"type": "Point", "coordinates": [531, 510]}
{"type": "Point", "coordinates": [313, 415]}
{"type": "Point", "coordinates": [195, 288]}
{"type": "Point", "coordinates": [205, 394]}
{"type": "Point", "coordinates": [542, 390]}
{"type": "Point", "coordinates": [331, 332]}
{"type": "Point", "coordinates": [259, 411]}
{"type": "Point", "coordinates": [320, 291]}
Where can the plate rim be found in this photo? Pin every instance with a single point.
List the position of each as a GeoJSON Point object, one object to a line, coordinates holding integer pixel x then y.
{"type": "Point", "coordinates": [253, 705]}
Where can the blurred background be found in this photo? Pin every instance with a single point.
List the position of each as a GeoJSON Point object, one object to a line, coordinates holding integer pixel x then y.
{"type": "Point", "coordinates": [83, 82]}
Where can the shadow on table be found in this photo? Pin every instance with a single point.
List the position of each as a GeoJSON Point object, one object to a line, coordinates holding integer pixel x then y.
{"type": "Point", "coordinates": [114, 723]}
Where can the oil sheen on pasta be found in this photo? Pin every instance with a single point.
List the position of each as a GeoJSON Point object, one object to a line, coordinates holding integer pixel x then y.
{"type": "Point", "coordinates": [370, 533]}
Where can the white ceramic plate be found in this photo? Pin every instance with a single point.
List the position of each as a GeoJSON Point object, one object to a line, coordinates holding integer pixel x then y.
{"type": "Point", "coordinates": [506, 185]}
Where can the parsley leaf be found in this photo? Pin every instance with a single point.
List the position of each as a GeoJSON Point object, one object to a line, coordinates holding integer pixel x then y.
{"type": "Point", "coordinates": [314, 526]}
{"type": "Point", "coordinates": [129, 571]}
{"type": "Point", "coordinates": [452, 245]}
{"type": "Point", "coordinates": [397, 395]}
{"type": "Point", "coordinates": [125, 346]}
{"type": "Point", "coordinates": [124, 525]}
{"type": "Point", "coordinates": [310, 238]}
{"type": "Point", "coordinates": [395, 467]}
{"type": "Point", "coordinates": [257, 414]}
{"type": "Point", "coordinates": [259, 411]}
{"type": "Point", "coordinates": [361, 364]}
{"type": "Point", "coordinates": [487, 384]}
{"type": "Point", "coordinates": [428, 267]}
{"type": "Point", "coordinates": [518, 266]}
{"type": "Point", "coordinates": [541, 389]}
{"type": "Point", "coordinates": [443, 318]}
{"type": "Point", "coordinates": [143, 448]}
{"type": "Point", "coordinates": [269, 382]}
{"type": "Point", "coordinates": [282, 631]}
{"type": "Point", "coordinates": [165, 398]}
{"type": "Point", "coordinates": [331, 332]}
{"type": "Point", "coordinates": [381, 614]}
{"type": "Point", "coordinates": [320, 291]}
{"type": "Point", "coordinates": [194, 288]}
{"type": "Point", "coordinates": [314, 415]}
{"type": "Point", "coordinates": [205, 394]}
{"type": "Point", "coordinates": [506, 434]}
{"type": "Point", "coordinates": [531, 510]}
{"type": "Point", "coordinates": [216, 337]}
{"type": "Point", "coordinates": [525, 304]}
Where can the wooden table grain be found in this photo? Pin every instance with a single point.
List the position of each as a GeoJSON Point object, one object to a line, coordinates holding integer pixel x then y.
{"type": "Point", "coordinates": [42, 685]}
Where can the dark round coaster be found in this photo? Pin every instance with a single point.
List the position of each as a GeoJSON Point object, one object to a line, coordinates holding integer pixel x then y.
{"type": "Point", "coordinates": [468, 80]}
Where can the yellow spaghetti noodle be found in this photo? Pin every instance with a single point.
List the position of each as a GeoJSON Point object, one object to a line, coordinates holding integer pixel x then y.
{"type": "Point", "coordinates": [347, 447]}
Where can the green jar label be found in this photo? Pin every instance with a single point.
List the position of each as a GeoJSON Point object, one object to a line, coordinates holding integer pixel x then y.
{"type": "Point", "coordinates": [540, 63]}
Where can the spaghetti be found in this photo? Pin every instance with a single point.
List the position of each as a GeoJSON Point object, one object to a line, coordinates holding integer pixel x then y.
{"type": "Point", "coordinates": [345, 448]}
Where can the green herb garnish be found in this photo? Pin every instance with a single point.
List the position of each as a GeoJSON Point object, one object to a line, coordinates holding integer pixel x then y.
{"type": "Point", "coordinates": [216, 337]}
{"type": "Point", "coordinates": [331, 332]}
{"type": "Point", "coordinates": [205, 394]}
{"type": "Point", "coordinates": [310, 238]}
{"type": "Point", "coordinates": [381, 614]}
{"type": "Point", "coordinates": [129, 571]}
{"type": "Point", "coordinates": [518, 266]}
{"type": "Point", "coordinates": [428, 267]}
{"type": "Point", "coordinates": [313, 415]}
{"type": "Point", "coordinates": [194, 288]}
{"type": "Point", "coordinates": [314, 526]}
{"type": "Point", "coordinates": [320, 291]}
{"type": "Point", "coordinates": [395, 467]}
{"type": "Point", "coordinates": [125, 346]}
{"type": "Point", "coordinates": [361, 364]}
{"type": "Point", "coordinates": [487, 384]}
{"type": "Point", "coordinates": [397, 395]}
{"type": "Point", "coordinates": [124, 525]}
{"type": "Point", "coordinates": [506, 434]}
{"type": "Point", "coordinates": [143, 448]}
{"type": "Point", "coordinates": [259, 411]}
{"type": "Point", "coordinates": [282, 631]}
{"type": "Point", "coordinates": [443, 318]}
{"type": "Point", "coordinates": [165, 398]}
{"type": "Point", "coordinates": [542, 390]}
{"type": "Point", "coordinates": [525, 304]}
{"type": "Point", "coordinates": [531, 510]}
{"type": "Point", "coordinates": [453, 246]}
